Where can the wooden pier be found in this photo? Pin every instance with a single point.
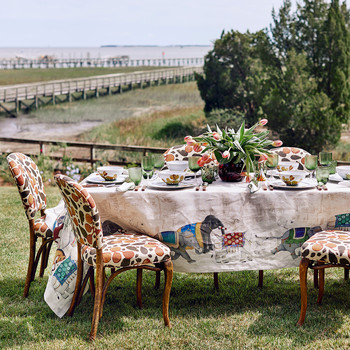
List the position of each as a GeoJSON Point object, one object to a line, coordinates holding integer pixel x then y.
{"type": "Point", "coordinates": [123, 61]}
{"type": "Point", "coordinates": [28, 96]}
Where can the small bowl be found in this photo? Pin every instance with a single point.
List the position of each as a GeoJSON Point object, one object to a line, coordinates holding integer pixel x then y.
{"type": "Point", "coordinates": [110, 173]}
{"type": "Point", "coordinates": [343, 171]}
{"type": "Point", "coordinates": [172, 177]}
{"type": "Point", "coordinates": [177, 165]}
{"type": "Point", "coordinates": [287, 166]}
{"type": "Point", "coordinates": [292, 178]}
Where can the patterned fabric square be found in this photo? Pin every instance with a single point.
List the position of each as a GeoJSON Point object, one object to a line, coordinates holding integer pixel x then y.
{"type": "Point", "coordinates": [66, 268]}
{"type": "Point", "coordinates": [235, 239]}
{"type": "Point", "coordinates": [342, 220]}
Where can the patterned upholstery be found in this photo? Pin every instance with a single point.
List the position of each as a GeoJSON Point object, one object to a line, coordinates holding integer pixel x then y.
{"type": "Point", "coordinates": [31, 189]}
{"type": "Point", "coordinates": [121, 250]}
{"type": "Point", "coordinates": [118, 250]}
{"type": "Point", "coordinates": [291, 154]}
{"type": "Point", "coordinates": [180, 152]}
{"type": "Point", "coordinates": [329, 247]}
{"type": "Point", "coordinates": [29, 182]}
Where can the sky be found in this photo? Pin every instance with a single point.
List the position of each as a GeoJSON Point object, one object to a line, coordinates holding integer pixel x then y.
{"type": "Point", "coordinates": [92, 23]}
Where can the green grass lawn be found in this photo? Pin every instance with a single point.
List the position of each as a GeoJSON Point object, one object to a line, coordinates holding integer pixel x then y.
{"type": "Point", "coordinates": [33, 75]}
{"type": "Point", "coordinates": [239, 316]}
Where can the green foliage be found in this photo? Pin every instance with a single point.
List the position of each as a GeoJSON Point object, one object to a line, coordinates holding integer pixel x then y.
{"type": "Point", "coordinates": [173, 130]}
{"type": "Point", "coordinates": [224, 118]}
{"type": "Point", "coordinates": [297, 77]}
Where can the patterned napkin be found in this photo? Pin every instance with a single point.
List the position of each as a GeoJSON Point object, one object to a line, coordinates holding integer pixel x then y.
{"type": "Point", "coordinates": [125, 187]}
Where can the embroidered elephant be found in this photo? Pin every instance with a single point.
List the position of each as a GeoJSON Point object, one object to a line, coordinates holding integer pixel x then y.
{"type": "Point", "coordinates": [294, 238]}
{"type": "Point", "coordinates": [193, 236]}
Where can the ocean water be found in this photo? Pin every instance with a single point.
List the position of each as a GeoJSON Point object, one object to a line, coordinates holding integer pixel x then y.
{"type": "Point", "coordinates": [134, 52]}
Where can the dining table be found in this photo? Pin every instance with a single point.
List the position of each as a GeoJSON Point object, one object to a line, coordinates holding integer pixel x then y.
{"type": "Point", "coordinates": [226, 226]}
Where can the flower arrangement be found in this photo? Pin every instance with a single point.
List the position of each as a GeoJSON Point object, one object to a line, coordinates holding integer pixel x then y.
{"type": "Point", "coordinates": [229, 146]}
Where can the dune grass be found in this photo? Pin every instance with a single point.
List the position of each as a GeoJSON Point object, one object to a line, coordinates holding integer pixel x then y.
{"type": "Point", "coordinates": [239, 316]}
{"type": "Point", "coordinates": [33, 75]}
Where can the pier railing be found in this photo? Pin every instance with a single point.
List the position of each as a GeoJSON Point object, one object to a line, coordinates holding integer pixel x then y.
{"type": "Point", "coordinates": [22, 63]}
{"type": "Point", "coordinates": [35, 94]}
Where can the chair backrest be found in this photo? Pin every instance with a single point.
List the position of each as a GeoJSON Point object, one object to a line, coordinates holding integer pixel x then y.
{"type": "Point", "coordinates": [292, 154]}
{"type": "Point", "coordinates": [29, 183]}
{"type": "Point", "coordinates": [82, 210]}
{"type": "Point", "coordinates": [180, 152]}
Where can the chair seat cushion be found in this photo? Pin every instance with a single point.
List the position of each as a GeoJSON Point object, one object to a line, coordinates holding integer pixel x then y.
{"type": "Point", "coordinates": [128, 249]}
{"type": "Point", "coordinates": [41, 229]}
{"type": "Point", "coordinates": [328, 247]}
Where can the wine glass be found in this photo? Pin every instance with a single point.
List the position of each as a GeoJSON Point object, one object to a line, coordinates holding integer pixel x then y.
{"type": "Point", "coordinates": [158, 162]}
{"type": "Point", "coordinates": [311, 164]}
{"type": "Point", "coordinates": [322, 174]}
{"type": "Point", "coordinates": [271, 163]}
{"type": "Point", "coordinates": [325, 158]}
{"type": "Point", "coordinates": [135, 175]}
{"type": "Point", "coordinates": [193, 165]}
{"type": "Point", "coordinates": [147, 166]}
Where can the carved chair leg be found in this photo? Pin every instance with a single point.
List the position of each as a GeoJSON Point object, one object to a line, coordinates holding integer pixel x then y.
{"type": "Point", "coordinates": [157, 283]}
{"type": "Point", "coordinates": [98, 295]}
{"type": "Point", "coordinates": [316, 279]}
{"type": "Point", "coordinates": [92, 281]}
{"type": "Point", "coordinates": [216, 280]}
{"type": "Point", "coordinates": [346, 274]}
{"type": "Point", "coordinates": [303, 267]}
{"type": "Point", "coordinates": [168, 269]}
{"type": "Point", "coordinates": [139, 288]}
{"type": "Point", "coordinates": [30, 271]}
{"type": "Point", "coordinates": [321, 286]}
{"type": "Point", "coordinates": [261, 278]}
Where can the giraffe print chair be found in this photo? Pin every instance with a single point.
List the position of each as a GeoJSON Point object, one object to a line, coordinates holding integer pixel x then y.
{"type": "Point", "coordinates": [291, 154]}
{"type": "Point", "coordinates": [31, 189]}
{"type": "Point", "coordinates": [325, 249]}
{"type": "Point", "coordinates": [120, 252]}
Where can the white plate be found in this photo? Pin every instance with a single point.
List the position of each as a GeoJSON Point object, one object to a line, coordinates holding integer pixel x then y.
{"type": "Point", "coordinates": [304, 185]}
{"type": "Point", "coordinates": [163, 186]}
{"type": "Point", "coordinates": [345, 183]}
{"type": "Point", "coordinates": [97, 179]}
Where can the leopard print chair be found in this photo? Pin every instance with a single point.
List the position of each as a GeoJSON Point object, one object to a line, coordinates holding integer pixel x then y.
{"type": "Point", "coordinates": [292, 154]}
{"type": "Point", "coordinates": [31, 189]}
{"type": "Point", "coordinates": [119, 252]}
{"type": "Point", "coordinates": [325, 249]}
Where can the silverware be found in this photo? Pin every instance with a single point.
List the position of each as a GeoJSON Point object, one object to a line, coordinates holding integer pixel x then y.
{"type": "Point", "coordinates": [264, 187]}
{"type": "Point", "coordinates": [319, 187]}
{"type": "Point", "coordinates": [197, 188]}
{"type": "Point", "coordinates": [270, 187]}
{"type": "Point", "coordinates": [98, 185]}
{"type": "Point", "coordinates": [143, 187]}
{"type": "Point", "coordinates": [136, 188]}
{"type": "Point", "coordinates": [325, 188]}
{"type": "Point", "coordinates": [204, 186]}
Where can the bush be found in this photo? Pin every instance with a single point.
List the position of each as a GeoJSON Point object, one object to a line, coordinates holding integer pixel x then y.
{"type": "Point", "coordinates": [174, 130]}
{"type": "Point", "coordinates": [224, 117]}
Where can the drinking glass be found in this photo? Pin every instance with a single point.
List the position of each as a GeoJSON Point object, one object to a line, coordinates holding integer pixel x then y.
{"type": "Point", "coordinates": [193, 165]}
{"type": "Point", "coordinates": [135, 175]}
{"type": "Point", "coordinates": [208, 174]}
{"type": "Point", "coordinates": [325, 158]}
{"type": "Point", "coordinates": [271, 163]}
{"type": "Point", "coordinates": [333, 167]}
{"type": "Point", "coordinates": [147, 166]}
{"type": "Point", "coordinates": [322, 174]}
{"type": "Point", "coordinates": [158, 162]}
{"type": "Point", "coordinates": [311, 164]}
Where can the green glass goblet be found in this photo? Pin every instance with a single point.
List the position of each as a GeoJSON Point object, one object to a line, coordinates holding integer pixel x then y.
{"type": "Point", "coordinates": [322, 174]}
{"type": "Point", "coordinates": [325, 158]}
{"type": "Point", "coordinates": [135, 175]}
{"type": "Point", "coordinates": [158, 162]}
{"type": "Point", "coordinates": [147, 166]}
{"type": "Point", "coordinates": [311, 164]}
{"type": "Point", "coordinates": [193, 165]}
{"type": "Point", "coordinates": [271, 163]}
{"type": "Point", "coordinates": [208, 174]}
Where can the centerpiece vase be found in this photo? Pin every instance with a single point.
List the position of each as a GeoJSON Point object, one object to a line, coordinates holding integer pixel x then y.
{"type": "Point", "coordinates": [231, 172]}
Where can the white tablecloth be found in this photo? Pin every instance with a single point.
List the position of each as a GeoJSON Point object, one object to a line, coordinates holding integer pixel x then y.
{"type": "Point", "coordinates": [225, 228]}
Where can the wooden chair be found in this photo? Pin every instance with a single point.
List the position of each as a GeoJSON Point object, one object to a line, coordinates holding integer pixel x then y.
{"type": "Point", "coordinates": [119, 252]}
{"type": "Point", "coordinates": [31, 188]}
{"type": "Point", "coordinates": [325, 249]}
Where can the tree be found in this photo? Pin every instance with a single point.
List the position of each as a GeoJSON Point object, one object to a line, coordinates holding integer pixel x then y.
{"type": "Point", "coordinates": [233, 73]}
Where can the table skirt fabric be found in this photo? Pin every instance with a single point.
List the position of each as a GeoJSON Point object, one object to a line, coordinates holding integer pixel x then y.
{"type": "Point", "coordinates": [226, 228]}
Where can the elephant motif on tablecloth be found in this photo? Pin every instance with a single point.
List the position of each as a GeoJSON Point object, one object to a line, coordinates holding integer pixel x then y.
{"type": "Point", "coordinates": [192, 236]}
